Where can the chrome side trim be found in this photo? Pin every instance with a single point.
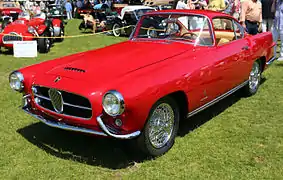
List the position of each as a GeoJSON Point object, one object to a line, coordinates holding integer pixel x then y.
{"type": "Point", "coordinates": [105, 129]}
{"type": "Point", "coordinates": [64, 126]}
{"type": "Point", "coordinates": [271, 60]}
{"type": "Point", "coordinates": [217, 99]}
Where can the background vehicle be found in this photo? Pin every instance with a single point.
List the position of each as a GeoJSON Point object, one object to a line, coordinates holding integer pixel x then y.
{"type": "Point", "coordinates": [55, 17]}
{"type": "Point", "coordinates": [9, 9]}
{"type": "Point", "coordinates": [129, 16]}
{"type": "Point", "coordinates": [26, 28]}
{"type": "Point", "coordinates": [175, 64]}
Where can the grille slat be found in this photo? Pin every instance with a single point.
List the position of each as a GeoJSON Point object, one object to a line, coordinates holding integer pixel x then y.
{"type": "Point", "coordinates": [72, 104]}
{"type": "Point", "coordinates": [9, 38]}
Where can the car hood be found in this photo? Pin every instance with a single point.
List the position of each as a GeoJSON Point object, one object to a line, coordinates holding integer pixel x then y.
{"type": "Point", "coordinates": [116, 60]}
{"type": "Point", "coordinates": [18, 28]}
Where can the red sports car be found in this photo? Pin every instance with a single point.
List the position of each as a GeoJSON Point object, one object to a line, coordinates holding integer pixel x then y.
{"type": "Point", "coordinates": [27, 28]}
{"type": "Point", "coordinates": [10, 9]}
{"type": "Point", "coordinates": [177, 63]}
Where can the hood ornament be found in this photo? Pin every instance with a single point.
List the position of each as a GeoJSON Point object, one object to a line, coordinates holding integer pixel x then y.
{"type": "Point", "coordinates": [57, 79]}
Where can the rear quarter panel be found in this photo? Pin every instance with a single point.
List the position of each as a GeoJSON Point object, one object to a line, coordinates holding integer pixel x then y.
{"type": "Point", "coordinates": [261, 46]}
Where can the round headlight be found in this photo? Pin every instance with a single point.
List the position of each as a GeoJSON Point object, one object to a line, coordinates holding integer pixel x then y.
{"type": "Point", "coordinates": [113, 103]}
{"type": "Point", "coordinates": [31, 29]}
{"type": "Point", "coordinates": [16, 80]}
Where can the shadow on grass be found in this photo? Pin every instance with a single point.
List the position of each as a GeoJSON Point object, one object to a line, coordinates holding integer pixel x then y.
{"type": "Point", "coordinates": [192, 123]}
{"type": "Point", "coordinates": [95, 151]}
{"type": "Point", "coordinates": [107, 152]}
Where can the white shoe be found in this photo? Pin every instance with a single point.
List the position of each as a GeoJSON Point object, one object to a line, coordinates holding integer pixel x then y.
{"type": "Point", "coordinates": [280, 58]}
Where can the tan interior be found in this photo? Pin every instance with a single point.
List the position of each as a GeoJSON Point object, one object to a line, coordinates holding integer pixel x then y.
{"type": "Point", "coordinates": [222, 37]}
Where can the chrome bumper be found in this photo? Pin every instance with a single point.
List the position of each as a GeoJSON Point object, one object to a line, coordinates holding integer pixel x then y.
{"type": "Point", "coordinates": [81, 129]}
{"type": "Point", "coordinates": [270, 60]}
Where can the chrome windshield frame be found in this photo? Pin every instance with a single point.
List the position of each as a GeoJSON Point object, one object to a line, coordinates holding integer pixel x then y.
{"type": "Point", "coordinates": [132, 38]}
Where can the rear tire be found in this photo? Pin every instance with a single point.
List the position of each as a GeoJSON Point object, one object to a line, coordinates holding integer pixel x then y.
{"type": "Point", "coordinates": [254, 80]}
{"type": "Point", "coordinates": [161, 128]}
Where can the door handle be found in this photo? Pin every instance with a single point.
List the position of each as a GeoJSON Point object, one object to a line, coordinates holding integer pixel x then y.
{"type": "Point", "coordinates": [245, 48]}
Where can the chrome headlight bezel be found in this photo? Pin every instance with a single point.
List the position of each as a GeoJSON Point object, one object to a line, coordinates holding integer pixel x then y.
{"type": "Point", "coordinates": [20, 79]}
{"type": "Point", "coordinates": [31, 30]}
{"type": "Point", "coordinates": [120, 105]}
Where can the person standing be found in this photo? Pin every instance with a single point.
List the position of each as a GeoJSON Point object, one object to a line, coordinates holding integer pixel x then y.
{"type": "Point", "coordinates": [267, 15]}
{"type": "Point", "coordinates": [199, 4]}
{"type": "Point", "coordinates": [68, 7]}
{"type": "Point", "coordinates": [216, 5]}
{"type": "Point", "coordinates": [236, 9]}
{"type": "Point", "coordinates": [251, 16]}
{"type": "Point", "coordinates": [277, 30]}
{"type": "Point", "coordinates": [42, 5]}
{"type": "Point", "coordinates": [182, 5]}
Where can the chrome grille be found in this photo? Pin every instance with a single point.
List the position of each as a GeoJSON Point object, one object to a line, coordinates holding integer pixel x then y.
{"type": "Point", "coordinates": [9, 38]}
{"type": "Point", "coordinates": [62, 102]}
{"type": "Point", "coordinates": [56, 100]}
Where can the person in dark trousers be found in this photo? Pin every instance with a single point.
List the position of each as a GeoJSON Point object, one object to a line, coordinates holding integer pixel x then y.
{"type": "Point", "coordinates": [251, 16]}
{"type": "Point", "coordinates": [267, 15]}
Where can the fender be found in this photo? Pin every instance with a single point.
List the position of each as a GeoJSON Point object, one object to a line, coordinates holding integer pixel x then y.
{"type": "Point", "coordinates": [56, 22]}
{"type": "Point", "coordinates": [41, 29]}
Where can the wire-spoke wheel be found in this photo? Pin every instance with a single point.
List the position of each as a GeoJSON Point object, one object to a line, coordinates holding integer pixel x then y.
{"type": "Point", "coordinates": [116, 30]}
{"type": "Point", "coordinates": [254, 79]}
{"type": "Point", "coordinates": [161, 127]}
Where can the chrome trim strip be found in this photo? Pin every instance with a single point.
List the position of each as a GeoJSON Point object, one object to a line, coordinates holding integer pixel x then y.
{"type": "Point", "coordinates": [67, 104]}
{"type": "Point", "coordinates": [81, 129]}
{"type": "Point", "coordinates": [271, 60]}
{"type": "Point", "coordinates": [43, 97]}
{"type": "Point", "coordinates": [77, 106]}
{"type": "Point", "coordinates": [217, 99]}
{"type": "Point", "coordinates": [64, 126]}
{"type": "Point", "coordinates": [105, 129]}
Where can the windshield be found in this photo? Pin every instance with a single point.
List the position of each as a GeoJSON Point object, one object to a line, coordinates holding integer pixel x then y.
{"type": "Point", "coordinates": [187, 28]}
{"type": "Point", "coordinates": [140, 12]}
{"type": "Point", "coordinates": [9, 5]}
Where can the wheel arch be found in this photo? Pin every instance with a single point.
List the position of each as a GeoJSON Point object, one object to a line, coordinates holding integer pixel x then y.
{"type": "Point", "coordinates": [262, 61]}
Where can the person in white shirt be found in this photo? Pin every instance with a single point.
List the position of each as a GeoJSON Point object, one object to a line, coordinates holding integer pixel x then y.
{"type": "Point", "coordinates": [182, 5]}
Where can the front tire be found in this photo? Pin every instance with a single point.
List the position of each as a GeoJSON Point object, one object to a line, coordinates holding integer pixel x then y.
{"type": "Point", "coordinates": [161, 128]}
{"type": "Point", "coordinates": [44, 43]}
{"type": "Point", "coordinates": [254, 79]}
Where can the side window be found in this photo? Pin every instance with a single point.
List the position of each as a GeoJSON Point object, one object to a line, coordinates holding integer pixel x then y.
{"type": "Point", "coordinates": [239, 30]}
{"type": "Point", "coordinates": [224, 30]}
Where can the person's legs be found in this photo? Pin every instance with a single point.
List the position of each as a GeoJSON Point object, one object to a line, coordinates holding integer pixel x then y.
{"type": "Point", "coordinates": [251, 27]}
{"type": "Point", "coordinates": [275, 36]}
{"type": "Point", "coordinates": [68, 15]}
{"type": "Point", "coordinates": [264, 25]}
{"type": "Point", "coordinates": [270, 24]}
{"type": "Point", "coordinates": [281, 45]}
{"type": "Point", "coordinates": [94, 25]}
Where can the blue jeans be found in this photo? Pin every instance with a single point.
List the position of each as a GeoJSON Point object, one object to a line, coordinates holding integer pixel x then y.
{"type": "Point", "coordinates": [277, 33]}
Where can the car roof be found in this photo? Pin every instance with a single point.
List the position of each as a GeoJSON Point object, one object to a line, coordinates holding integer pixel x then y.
{"type": "Point", "coordinates": [209, 13]}
{"type": "Point", "coordinates": [135, 7]}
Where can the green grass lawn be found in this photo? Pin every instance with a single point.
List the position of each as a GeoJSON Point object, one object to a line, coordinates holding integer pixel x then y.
{"type": "Point", "coordinates": [238, 138]}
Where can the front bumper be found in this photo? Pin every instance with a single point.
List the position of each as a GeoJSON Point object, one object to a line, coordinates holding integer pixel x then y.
{"type": "Point", "coordinates": [270, 61]}
{"type": "Point", "coordinates": [105, 131]}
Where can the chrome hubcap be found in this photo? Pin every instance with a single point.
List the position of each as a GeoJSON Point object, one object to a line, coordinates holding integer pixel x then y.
{"type": "Point", "coordinates": [47, 43]}
{"type": "Point", "coordinates": [254, 78]}
{"type": "Point", "coordinates": [161, 125]}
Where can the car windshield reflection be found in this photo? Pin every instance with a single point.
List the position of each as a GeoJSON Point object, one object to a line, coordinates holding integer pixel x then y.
{"type": "Point", "coordinates": [194, 29]}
